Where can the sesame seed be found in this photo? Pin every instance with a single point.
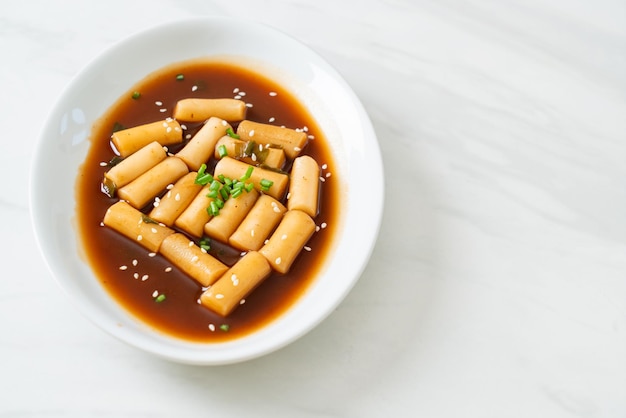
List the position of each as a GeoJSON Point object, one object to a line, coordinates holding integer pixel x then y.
{"type": "Point", "coordinates": [311, 137]}
{"type": "Point", "coordinates": [144, 277]}
{"type": "Point", "coordinates": [273, 93]}
{"type": "Point", "coordinates": [168, 119]}
{"type": "Point", "coordinates": [327, 175]}
{"type": "Point", "coordinates": [139, 237]}
{"type": "Point", "coordinates": [305, 128]}
{"type": "Point", "coordinates": [202, 250]}
{"type": "Point", "coordinates": [156, 204]}
{"type": "Point", "coordinates": [188, 136]}
{"type": "Point", "coordinates": [177, 197]}
{"type": "Point", "coordinates": [237, 97]}
{"type": "Point", "coordinates": [248, 104]}
{"type": "Point", "coordinates": [212, 327]}
{"type": "Point", "coordinates": [194, 258]}
{"type": "Point", "coordinates": [242, 301]}
{"type": "Point", "coordinates": [151, 254]}
{"type": "Point", "coordinates": [169, 194]}
{"type": "Point", "coordinates": [324, 225]}
{"type": "Point", "coordinates": [272, 119]}
{"type": "Point", "coordinates": [324, 166]}
{"type": "Point", "coordinates": [284, 237]}
{"type": "Point", "coordinates": [102, 223]}
{"type": "Point", "coordinates": [191, 243]}
{"type": "Point", "coordinates": [170, 186]}
{"type": "Point", "coordinates": [136, 275]}
{"type": "Point", "coordinates": [103, 164]}
{"type": "Point", "coordinates": [252, 232]}
{"type": "Point", "coordinates": [194, 88]}
{"type": "Point", "coordinates": [162, 110]}
{"type": "Point", "coordinates": [219, 296]}
{"type": "Point", "coordinates": [322, 179]}
{"type": "Point", "coordinates": [165, 149]}
{"type": "Point", "coordinates": [224, 123]}
{"type": "Point", "coordinates": [135, 263]}
{"type": "Point", "coordinates": [184, 127]}
{"type": "Point", "coordinates": [123, 268]}
{"type": "Point", "coordinates": [168, 269]}
{"type": "Point", "coordinates": [242, 93]}
{"type": "Point", "coordinates": [236, 90]}
{"type": "Point", "coordinates": [154, 230]}
{"type": "Point", "coordinates": [169, 129]}
{"type": "Point", "coordinates": [165, 124]}
{"type": "Point", "coordinates": [155, 293]}
{"type": "Point", "coordinates": [251, 133]}
{"type": "Point", "coordinates": [158, 103]}
{"type": "Point", "coordinates": [317, 228]}
{"type": "Point", "coordinates": [297, 149]}
{"type": "Point", "coordinates": [278, 260]}
{"type": "Point", "coordinates": [288, 195]}
{"type": "Point", "coordinates": [306, 248]}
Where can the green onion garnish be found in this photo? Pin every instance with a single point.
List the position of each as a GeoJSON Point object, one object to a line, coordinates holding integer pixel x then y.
{"type": "Point", "coordinates": [266, 184]}
{"type": "Point", "coordinates": [248, 174]}
{"type": "Point", "coordinates": [205, 243]}
{"type": "Point", "coordinates": [249, 187]}
{"type": "Point", "coordinates": [159, 298]}
{"type": "Point", "coordinates": [224, 193]}
{"type": "Point", "coordinates": [213, 208]}
{"type": "Point", "coordinates": [221, 150]}
{"type": "Point", "coordinates": [136, 95]}
{"type": "Point", "coordinates": [180, 77]}
{"type": "Point", "coordinates": [232, 134]}
{"type": "Point", "coordinates": [224, 327]}
{"type": "Point", "coordinates": [148, 220]}
{"type": "Point", "coordinates": [203, 178]}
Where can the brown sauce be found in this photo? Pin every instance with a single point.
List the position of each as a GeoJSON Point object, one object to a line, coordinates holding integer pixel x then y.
{"type": "Point", "coordinates": [179, 314]}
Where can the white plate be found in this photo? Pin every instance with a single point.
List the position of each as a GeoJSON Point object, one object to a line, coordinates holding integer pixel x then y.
{"type": "Point", "coordinates": [63, 145]}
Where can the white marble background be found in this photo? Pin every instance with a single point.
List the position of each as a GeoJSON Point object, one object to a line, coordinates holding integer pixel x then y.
{"type": "Point", "coordinates": [498, 285]}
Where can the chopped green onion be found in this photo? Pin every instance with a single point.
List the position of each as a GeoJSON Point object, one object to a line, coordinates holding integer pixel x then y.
{"type": "Point", "coordinates": [248, 174]}
{"type": "Point", "coordinates": [219, 202]}
{"type": "Point", "coordinates": [221, 177]}
{"type": "Point", "coordinates": [266, 184]}
{"type": "Point", "coordinates": [224, 193]}
{"type": "Point", "coordinates": [180, 77]}
{"type": "Point", "coordinates": [205, 243]}
{"type": "Point", "coordinates": [224, 327]}
{"type": "Point", "coordinates": [221, 150]}
{"type": "Point", "coordinates": [136, 95]}
{"type": "Point", "coordinates": [215, 185]}
{"type": "Point", "coordinates": [159, 298]}
{"type": "Point", "coordinates": [117, 127]}
{"type": "Point", "coordinates": [249, 187]}
{"type": "Point", "coordinates": [213, 209]}
{"type": "Point", "coordinates": [203, 178]}
{"type": "Point", "coordinates": [148, 220]}
{"type": "Point", "coordinates": [236, 193]}
{"type": "Point", "coordinates": [115, 161]}
{"type": "Point", "coordinates": [232, 134]}
{"type": "Point", "coordinates": [249, 150]}
{"type": "Point", "coordinates": [212, 194]}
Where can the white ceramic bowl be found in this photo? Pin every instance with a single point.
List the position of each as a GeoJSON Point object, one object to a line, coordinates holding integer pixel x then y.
{"type": "Point", "coordinates": [64, 143]}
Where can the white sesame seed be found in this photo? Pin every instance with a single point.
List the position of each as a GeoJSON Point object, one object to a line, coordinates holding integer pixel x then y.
{"type": "Point", "coordinates": [322, 179]}
{"type": "Point", "coordinates": [136, 275]}
{"type": "Point", "coordinates": [123, 268]}
{"type": "Point", "coordinates": [237, 97]}
{"type": "Point", "coordinates": [297, 149]}
{"type": "Point", "coordinates": [311, 137]}
{"type": "Point", "coordinates": [242, 301]}
{"type": "Point", "coordinates": [155, 293]}
{"type": "Point", "coordinates": [324, 225]}
{"type": "Point", "coordinates": [288, 195]}
{"type": "Point", "coordinates": [156, 204]}
{"type": "Point", "coordinates": [144, 277]}
{"type": "Point", "coordinates": [317, 228]}
{"type": "Point", "coordinates": [158, 103]}
{"type": "Point", "coordinates": [272, 119]}
{"type": "Point", "coordinates": [306, 248]}
{"type": "Point", "coordinates": [278, 260]}
{"type": "Point", "coordinates": [242, 93]}
{"type": "Point", "coordinates": [191, 243]}
{"type": "Point", "coordinates": [212, 327]}
{"type": "Point", "coordinates": [324, 166]}
{"type": "Point", "coordinates": [224, 123]}
{"type": "Point", "coordinates": [168, 119]}
{"type": "Point", "coordinates": [177, 197]}
{"type": "Point", "coordinates": [266, 241]}
{"type": "Point", "coordinates": [219, 296]}
{"type": "Point", "coordinates": [188, 136]}
{"type": "Point", "coordinates": [327, 175]}
{"type": "Point", "coordinates": [253, 157]}
{"type": "Point", "coordinates": [103, 164]}
{"type": "Point", "coordinates": [168, 269]}
{"type": "Point", "coordinates": [194, 258]}
{"type": "Point", "coordinates": [135, 263]}
{"type": "Point", "coordinates": [102, 223]}
{"type": "Point", "coordinates": [251, 133]}
{"type": "Point", "coordinates": [139, 237]}
{"type": "Point", "coordinates": [202, 250]}
{"type": "Point", "coordinates": [154, 230]}
{"type": "Point", "coordinates": [273, 93]}
{"type": "Point", "coordinates": [248, 104]}
{"type": "Point", "coordinates": [162, 110]}
{"type": "Point", "coordinates": [151, 254]}
{"type": "Point", "coordinates": [165, 125]}
{"type": "Point", "coordinates": [236, 90]}
{"type": "Point", "coordinates": [305, 128]}
{"type": "Point", "coordinates": [194, 88]}
{"type": "Point", "coordinates": [284, 237]}
{"type": "Point", "coordinates": [169, 194]}
{"type": "Point", "coordinates": [170, 186]}
{"type": "Point", "coordinates": [252, 232]}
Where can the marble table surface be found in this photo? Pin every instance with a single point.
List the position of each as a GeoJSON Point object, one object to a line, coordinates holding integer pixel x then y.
{"type": "Point", "coordinates": [502, 249]}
